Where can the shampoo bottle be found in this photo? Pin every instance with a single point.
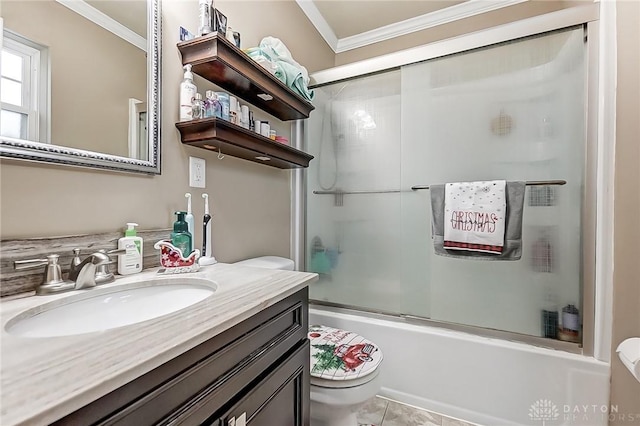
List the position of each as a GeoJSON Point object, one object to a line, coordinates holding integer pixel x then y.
{"type": "Point", "coordinates": [188, 92]}
{"type": "Point", "coordinates": [131, 261]}
{"type": "Point", "coordinates": [180, 237]}
{"type": "Point", "coordinates": [190, 221]}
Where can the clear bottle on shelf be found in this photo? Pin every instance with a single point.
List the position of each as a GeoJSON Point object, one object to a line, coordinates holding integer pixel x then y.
{"type": "Point", "coordinates": [197, 107]}
{"type": "Point", "coordinates": [212, 107]}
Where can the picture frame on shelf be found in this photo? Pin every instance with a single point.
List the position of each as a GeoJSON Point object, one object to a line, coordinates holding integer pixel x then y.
{"type": "Point", "coordinates": [219, 21]}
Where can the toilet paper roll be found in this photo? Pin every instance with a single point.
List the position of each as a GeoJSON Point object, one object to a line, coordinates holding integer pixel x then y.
{"type": "Point", "coordinates": [629, 353]}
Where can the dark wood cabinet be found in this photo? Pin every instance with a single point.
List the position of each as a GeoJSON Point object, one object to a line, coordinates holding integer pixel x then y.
{"type": "Point", "coordinates": [259, 368]}
{"type": "Point", "coordinates": [214, 58]}
{"type": "Point", "coordinates": [276, 397]}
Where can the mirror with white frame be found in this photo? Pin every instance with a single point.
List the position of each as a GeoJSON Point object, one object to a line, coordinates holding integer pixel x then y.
{"type": "Point", "coordinates": [81, 83]}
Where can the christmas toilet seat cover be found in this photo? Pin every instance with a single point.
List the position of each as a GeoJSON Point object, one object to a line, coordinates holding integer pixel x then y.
{"type": "Point", "coordinates": [341, 355]}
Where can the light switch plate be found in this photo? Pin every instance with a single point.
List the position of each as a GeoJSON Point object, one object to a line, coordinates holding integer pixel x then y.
{"type": "Point", "coordinates": [197, 167]}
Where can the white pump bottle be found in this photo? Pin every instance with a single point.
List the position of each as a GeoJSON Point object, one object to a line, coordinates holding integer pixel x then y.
{"type": "Point", "coordinates": [188, 92]}
{"type": "Point", "coordinates": [131, 261]}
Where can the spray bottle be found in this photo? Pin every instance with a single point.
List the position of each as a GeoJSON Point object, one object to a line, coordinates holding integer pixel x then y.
{"type": "Point", "coordinates": [190, 221]}
{"type": "Point", "coordinates": [207, 249]}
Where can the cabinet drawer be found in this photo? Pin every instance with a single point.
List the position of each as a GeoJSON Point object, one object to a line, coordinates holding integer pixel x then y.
{"type": "Point", "coordinates": [212, 366]}
{"type": "Point", "coordinates": [276, 396]}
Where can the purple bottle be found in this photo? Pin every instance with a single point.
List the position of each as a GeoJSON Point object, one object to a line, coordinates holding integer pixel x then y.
{"type": "Point", "coordinates": [212, 107]}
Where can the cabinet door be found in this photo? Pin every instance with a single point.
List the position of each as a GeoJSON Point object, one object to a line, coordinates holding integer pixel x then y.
{"type": "Point", "coordinates": [207, 379]}
{"type": "Point", "coordinates": [281, 398]}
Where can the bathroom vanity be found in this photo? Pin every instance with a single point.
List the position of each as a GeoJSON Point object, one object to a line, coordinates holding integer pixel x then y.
{"type": "Point", "coordinates": [239, 355]}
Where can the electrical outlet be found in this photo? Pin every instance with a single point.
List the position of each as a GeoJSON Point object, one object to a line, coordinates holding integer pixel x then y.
{"type": "Point", "coordinates": [197, 168]}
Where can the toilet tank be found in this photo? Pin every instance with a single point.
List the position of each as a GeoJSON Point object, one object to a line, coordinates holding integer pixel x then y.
{"type": "Point", "coordinates": [269, 262]}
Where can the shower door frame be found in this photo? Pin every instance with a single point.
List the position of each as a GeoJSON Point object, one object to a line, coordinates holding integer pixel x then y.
{"type": "Point", "coordinates": [586, 16]}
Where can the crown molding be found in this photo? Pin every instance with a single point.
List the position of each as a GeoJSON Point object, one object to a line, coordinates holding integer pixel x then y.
{"type": "Point", "coordinates": [408, 26]}
{"type": "Point", "coordinates": [105, 21]}
{"type": "Point", "coordinates": [478, 39]}
{"type": "Point", "coordinates": [309, 8]}
{"type": "Point", "coordinates": [422, 22]}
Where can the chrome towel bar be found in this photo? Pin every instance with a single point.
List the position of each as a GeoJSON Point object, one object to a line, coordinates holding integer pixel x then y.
{"type": "Point", "coordinates": [420, 187]}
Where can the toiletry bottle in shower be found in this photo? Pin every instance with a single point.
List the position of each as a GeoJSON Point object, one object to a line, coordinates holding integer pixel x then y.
{"type": "Point", "coordinates": [187, 94]}
{"type": "Point", "coordinates": [571, 323]}
{"type": "Point", "coordinates": [205, 18]}
{"type": "Point", "coordinates": [550, 315]}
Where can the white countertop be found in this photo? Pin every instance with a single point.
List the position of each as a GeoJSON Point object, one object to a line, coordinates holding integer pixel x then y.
{"type": "Point", "coordinates": [44, 379]}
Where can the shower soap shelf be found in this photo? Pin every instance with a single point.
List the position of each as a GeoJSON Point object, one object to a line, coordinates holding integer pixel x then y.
{"type": "Point", "coordinates": [215, 58]}
{"type": "Point", "coordinates": [229, 139]}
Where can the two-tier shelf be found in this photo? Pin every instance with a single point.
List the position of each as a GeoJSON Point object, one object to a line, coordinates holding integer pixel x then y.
{"type": "Point", "coordinates": [219, 61]}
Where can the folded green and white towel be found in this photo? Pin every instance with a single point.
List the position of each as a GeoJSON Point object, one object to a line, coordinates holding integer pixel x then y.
{"type": "Point", "coordinates": [290, 72]}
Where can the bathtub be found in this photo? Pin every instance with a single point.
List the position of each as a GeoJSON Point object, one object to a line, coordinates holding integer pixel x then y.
{"type": "Point", "coordinates": [483, 380]}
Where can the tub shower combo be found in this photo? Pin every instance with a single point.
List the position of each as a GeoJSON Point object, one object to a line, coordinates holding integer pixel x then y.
{"type": "Point", "coordinates": [481, 340]}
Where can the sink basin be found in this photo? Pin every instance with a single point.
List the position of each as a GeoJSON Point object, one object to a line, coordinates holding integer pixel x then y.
{"type": "Point", "coordinates": [109, 309]}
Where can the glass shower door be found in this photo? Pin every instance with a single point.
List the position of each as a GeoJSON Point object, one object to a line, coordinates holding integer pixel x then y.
{"type": "Point", "coordinates": [353, 240]}
{"type": "Point", "coordinates": [513, 111]}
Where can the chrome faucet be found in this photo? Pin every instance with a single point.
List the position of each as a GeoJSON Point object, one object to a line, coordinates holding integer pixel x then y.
{"type": "Point", "coordinates": [103, 276]}
{"type": "Point", "coordinates": [84, 273]}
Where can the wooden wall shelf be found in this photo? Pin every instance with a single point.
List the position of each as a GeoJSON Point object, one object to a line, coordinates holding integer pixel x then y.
{"type": "Point", "coordinates": [220, 135]}
{"type": "Point", "coordinates": [215, 58]}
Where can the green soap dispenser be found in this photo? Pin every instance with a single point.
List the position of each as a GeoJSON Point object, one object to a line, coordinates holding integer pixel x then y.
{"type": "Point", "coordinates": [180, 237]}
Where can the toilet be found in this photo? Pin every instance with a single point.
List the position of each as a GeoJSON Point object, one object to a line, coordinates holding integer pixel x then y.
{"type": "Point", "coordinates": [269, 262]}
{"type": "Point", "coordinates": [344, 365]}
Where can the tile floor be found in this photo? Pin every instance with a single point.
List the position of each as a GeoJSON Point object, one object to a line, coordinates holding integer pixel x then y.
{"type": "Point", "coordinates": [379, 411]}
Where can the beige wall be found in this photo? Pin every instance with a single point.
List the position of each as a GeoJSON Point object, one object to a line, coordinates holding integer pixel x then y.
{"type": "Point", "coordinates": [464, 26]}
{"type": "Point", "coordinates": [250, 202]}
{"type": "Point", "coordinates": [93, 75]}
{"type": "Point", "coordinates": [625, 390]}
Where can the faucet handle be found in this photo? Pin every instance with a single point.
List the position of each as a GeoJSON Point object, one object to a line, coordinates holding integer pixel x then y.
{"type": "Point", "coordinates": [75, 261]}
{"type": "Point", "coordinates": [52, 272]}
{"type": "Point", "coordinates": [20, 265]}
{"type": "Point", "coordinates": [52, 279]}
{"type": "Point", "coordinates": [116, 252]}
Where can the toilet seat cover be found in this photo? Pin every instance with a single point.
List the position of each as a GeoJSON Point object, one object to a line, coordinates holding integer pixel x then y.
{"type": "Point", "coordinates": [341, 355]}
